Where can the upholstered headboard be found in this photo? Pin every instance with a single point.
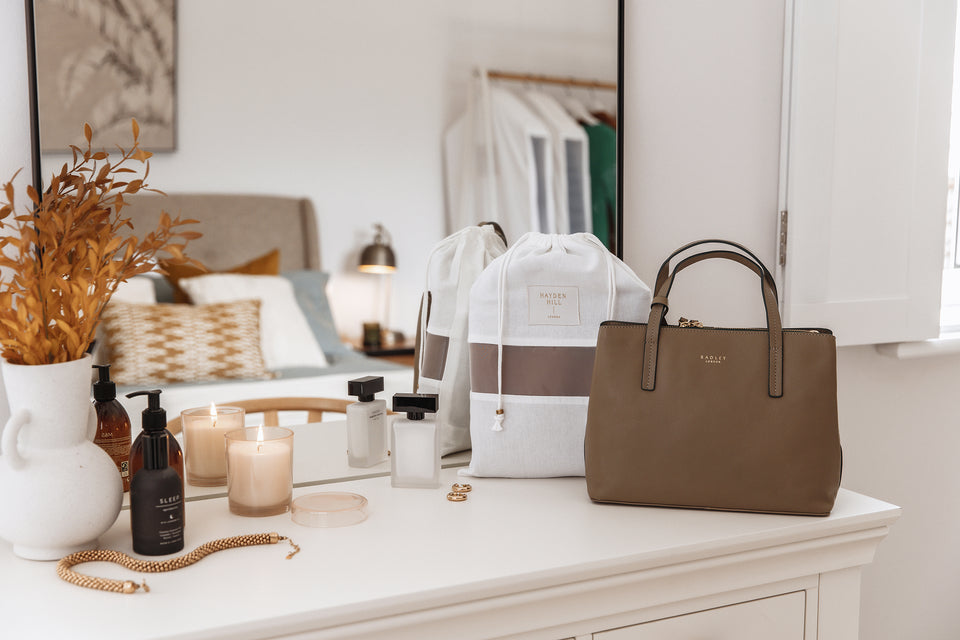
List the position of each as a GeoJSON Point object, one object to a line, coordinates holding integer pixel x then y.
{"type": "Point", "coordinates": [237, 228]}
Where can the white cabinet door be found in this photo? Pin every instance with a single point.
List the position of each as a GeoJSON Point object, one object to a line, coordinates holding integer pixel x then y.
{"type": "Point", "coordinates": [776, 618]}
{"type": "Point", "coordinates": [867, 169]}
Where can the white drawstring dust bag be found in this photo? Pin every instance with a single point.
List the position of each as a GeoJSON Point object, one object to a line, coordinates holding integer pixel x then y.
{"type": "Point", "coordinates": [534, 317]}
{"type": "Point", "coordinates": [442, 356]}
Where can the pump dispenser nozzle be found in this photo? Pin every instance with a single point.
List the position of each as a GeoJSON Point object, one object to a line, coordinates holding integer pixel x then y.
{"type": "Point", "coordinates": [154, 417]}
{"type": "Point", "coordinates": [104, 389]}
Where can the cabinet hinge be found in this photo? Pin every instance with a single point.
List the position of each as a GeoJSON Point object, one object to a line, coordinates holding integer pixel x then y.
{"type": "Point", "coordinates": [783, 238]}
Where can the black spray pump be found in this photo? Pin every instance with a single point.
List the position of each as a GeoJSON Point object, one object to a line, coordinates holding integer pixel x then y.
{"type": "Point", "coordinates": [365, 388]}
{"type": "Point", "coordinates": [104, 389]}
{"type": "Point", "coordinates": [415, 405]}
{"type": "Point", "coordinates": [154, 421]}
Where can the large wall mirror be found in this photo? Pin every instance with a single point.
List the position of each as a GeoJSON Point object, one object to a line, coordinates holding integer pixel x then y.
{"type": "Point", "coordinates": [346, 103]}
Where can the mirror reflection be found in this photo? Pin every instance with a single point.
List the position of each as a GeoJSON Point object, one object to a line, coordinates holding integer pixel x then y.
{"type": "Point", "coordinates": [354, 114]}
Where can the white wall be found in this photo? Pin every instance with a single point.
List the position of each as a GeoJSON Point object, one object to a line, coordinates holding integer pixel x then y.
{"type": "Point", "coordinates": [346, 103]}
{"type": "Point", "coordinates": [14, 100]}
{"type": "Point", "coordinates": [899, 430]}
{"type": "Point", "coordinates": [702, 130]}
{"type": "Point", "coordinates": [15, 149]}
{"type": "Point", "coordinates": [702, 152]}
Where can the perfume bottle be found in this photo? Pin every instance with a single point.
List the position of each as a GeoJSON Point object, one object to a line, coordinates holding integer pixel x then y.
{"type": "Point", "coordinates": [156, 491]}
{"type": "Point", "coordinates": [113, 424]}
{"type": "Point", "coordinates": [415, 442]}
{"type": "Point", "coordinates": [366, 423]}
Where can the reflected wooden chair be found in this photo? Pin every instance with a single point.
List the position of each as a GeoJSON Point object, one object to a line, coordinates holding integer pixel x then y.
{"type": "Point", "coordinates": [271, 408]}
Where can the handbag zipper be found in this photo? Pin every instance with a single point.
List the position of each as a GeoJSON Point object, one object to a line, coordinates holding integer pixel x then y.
{"type": "Point", "coordinates": [690, 325]}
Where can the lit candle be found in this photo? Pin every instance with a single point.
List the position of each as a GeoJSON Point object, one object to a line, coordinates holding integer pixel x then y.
{"type": "Point", "coordinates": [259, 470]}
{"type": "Point", "coordinates": [203, 431]}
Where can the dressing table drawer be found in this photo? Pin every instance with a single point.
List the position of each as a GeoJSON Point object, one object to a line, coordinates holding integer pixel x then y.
{"type": "Point", "coordinates": [775, 618]}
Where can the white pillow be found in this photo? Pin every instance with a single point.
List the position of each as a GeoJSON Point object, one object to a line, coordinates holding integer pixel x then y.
{"type": "Point", "coordinates": [136, 290]}
{"type": "Point", "coordinates": [285, 336]}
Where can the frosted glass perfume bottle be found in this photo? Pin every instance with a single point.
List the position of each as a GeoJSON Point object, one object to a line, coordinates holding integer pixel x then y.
{"type": "Point", "coordinates": [415, 442]}
{"type": "Point", "coordinates": [366, 423]}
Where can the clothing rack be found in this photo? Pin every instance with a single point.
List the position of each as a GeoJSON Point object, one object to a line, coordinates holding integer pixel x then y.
{"type": "Point", "coordinates": [558, 80]}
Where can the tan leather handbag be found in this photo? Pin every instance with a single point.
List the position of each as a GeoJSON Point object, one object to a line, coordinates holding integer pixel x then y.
{"type": "Point", "coordinates": [714, 418]}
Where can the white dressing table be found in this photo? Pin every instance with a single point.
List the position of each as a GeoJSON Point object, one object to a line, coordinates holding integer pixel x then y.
{"type": "Point", "coordinates": [520, 559]}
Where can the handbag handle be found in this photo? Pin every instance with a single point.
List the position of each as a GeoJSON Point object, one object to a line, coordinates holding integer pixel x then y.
{"type": "Point", "coordinates": [665, 267]}
{"type": "Point", "coordinates": [659, 305]}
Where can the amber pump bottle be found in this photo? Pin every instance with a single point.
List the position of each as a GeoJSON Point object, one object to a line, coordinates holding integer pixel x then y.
{"type": "Point", "coordinates": [113, 423]}
{"type": "Point", "coordinates": [156, 491]}
{"type": "Point", "coordinates": [174, 453]}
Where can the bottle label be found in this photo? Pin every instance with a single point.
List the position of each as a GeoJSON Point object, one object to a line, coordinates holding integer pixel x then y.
{"type": "Point", "coordinates": [169, 515]}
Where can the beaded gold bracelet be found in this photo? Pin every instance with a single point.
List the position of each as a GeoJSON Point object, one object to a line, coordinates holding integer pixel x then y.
{"type": "Point", "coordinates": [65, 571]}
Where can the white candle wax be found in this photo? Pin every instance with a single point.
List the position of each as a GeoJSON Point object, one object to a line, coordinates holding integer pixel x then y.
{"type": "Point", "coordinates": [260, 474]}
{"type": "Point", "coordinates": [203, 433]}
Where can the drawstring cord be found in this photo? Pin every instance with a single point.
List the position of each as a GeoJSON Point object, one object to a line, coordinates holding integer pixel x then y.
{"type": "Point", "coordinates": [501, 291]}
{"type": "Point", "coordinates": [501, 306]}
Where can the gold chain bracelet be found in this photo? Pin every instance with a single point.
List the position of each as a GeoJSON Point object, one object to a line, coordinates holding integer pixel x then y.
{"type": "Point", "coordinates": [65, 571]}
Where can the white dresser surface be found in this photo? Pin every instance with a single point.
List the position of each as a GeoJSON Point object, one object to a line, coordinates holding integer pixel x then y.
{"type": "Point", "coordinates": [417, 558]}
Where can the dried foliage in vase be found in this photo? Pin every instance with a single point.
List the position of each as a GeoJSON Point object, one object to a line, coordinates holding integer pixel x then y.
{"type": "Point", "coordinates": [67, 254]}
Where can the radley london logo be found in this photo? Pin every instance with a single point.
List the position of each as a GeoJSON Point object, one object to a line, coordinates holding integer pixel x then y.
{"type": "Point", "coordinates": [712, 359]}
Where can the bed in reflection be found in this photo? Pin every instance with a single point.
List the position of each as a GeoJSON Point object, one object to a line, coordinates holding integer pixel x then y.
{"type": "Point", "coordinates": [257, 325]}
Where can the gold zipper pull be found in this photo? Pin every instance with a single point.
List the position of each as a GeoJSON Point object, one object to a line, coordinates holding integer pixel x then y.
{"type": "Point", "coordinates": [690, 323]}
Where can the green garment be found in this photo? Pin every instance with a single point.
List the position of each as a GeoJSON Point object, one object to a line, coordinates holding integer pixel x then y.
{"type": "Point", "coordinates": [603, 181]}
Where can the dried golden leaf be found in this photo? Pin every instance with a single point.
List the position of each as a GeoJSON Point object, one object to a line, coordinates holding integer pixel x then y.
{"type": "Point", "coordinates": [136, 129]}
{"type": "Point", "coordinates": [87, 132]}
{"type": "Point", "coordinates": [66, 256]}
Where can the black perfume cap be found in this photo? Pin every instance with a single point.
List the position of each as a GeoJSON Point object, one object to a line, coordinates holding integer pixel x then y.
{"type": "Point", "coordinates": [153, 418]}
{"type": "Point", "coordinates": [104, 389]}
{"type": "Point", "coordinates": [365, 388]}
{"type": "Point", "coordinates": [415, 405]}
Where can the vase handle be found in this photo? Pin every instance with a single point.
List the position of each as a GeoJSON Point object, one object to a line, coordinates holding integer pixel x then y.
{"type": "Point", "coordinates": [92, 422]}
{"type": "Point", "coordinates": [9, 442]}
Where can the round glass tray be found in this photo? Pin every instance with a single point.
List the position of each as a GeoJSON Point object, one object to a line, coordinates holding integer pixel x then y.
{"type": "Point", "coordinates": [329, 509]}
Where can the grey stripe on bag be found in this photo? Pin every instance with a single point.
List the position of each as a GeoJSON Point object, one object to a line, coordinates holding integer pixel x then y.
{"type": "Point", "coordinates": [532, 371]}
{"type": "Point", "coordinates": [434, 356]}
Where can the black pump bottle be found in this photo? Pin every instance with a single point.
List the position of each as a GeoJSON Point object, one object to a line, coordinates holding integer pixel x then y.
{"type": "Point", "coordinates": [156, 491]}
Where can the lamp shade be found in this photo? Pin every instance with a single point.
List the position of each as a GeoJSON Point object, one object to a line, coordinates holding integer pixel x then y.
{"type": "Point", "coordinates": [378, 257]}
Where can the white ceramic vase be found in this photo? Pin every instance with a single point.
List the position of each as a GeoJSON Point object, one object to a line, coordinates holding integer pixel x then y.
{"type": "Point", "coordinates": [58, 490]}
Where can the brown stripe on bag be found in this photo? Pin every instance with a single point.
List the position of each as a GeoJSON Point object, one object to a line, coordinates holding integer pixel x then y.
{"type": "Point", "coordinates": [532, 371]}
{"type": "Point", "coordinates": [434, 356]}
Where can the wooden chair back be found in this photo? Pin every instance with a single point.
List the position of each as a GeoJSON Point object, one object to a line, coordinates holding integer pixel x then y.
{"type": "Point", "coordinates": [271, 408]}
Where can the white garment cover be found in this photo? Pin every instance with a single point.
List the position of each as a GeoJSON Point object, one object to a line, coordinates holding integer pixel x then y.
{"type": "Point", "coordinates": [443, 355]}
{"type": "Point", "coordinates": [499, 130]}
{"type": "Point", "coordinates": [571, 164]}
{"type": "Point", "coordinates": [534, 317]}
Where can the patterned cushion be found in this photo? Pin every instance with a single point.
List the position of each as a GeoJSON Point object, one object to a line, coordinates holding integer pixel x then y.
{"type": "Point", "coordinates": [155, 343]}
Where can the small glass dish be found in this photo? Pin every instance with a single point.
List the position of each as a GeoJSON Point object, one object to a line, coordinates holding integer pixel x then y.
{"type": "Point", "coordinates": [329, 509]}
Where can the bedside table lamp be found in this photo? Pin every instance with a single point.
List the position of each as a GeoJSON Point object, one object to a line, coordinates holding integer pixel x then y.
{"type": "Point", "coordinates": [378, 258]}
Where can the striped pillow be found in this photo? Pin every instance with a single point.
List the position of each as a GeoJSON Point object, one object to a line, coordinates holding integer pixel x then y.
{"type": "Point", "coordinates": [157, 343]}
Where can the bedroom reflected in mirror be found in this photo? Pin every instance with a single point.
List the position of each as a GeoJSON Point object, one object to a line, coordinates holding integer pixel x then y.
{"type": "Point", "coordinates": [309, 123]}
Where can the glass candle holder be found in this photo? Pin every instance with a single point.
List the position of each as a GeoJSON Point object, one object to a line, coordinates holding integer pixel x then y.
{"type": "Point", "coordinates": [203, 433]}
{"type": "Point", "coordinates": [259, 470]}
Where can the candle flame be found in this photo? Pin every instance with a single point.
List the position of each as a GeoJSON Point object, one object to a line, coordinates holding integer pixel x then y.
{"type": "Point", "coordinates": [213, 415]}
{"type": "Point", "coordinates": [260, 438]}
